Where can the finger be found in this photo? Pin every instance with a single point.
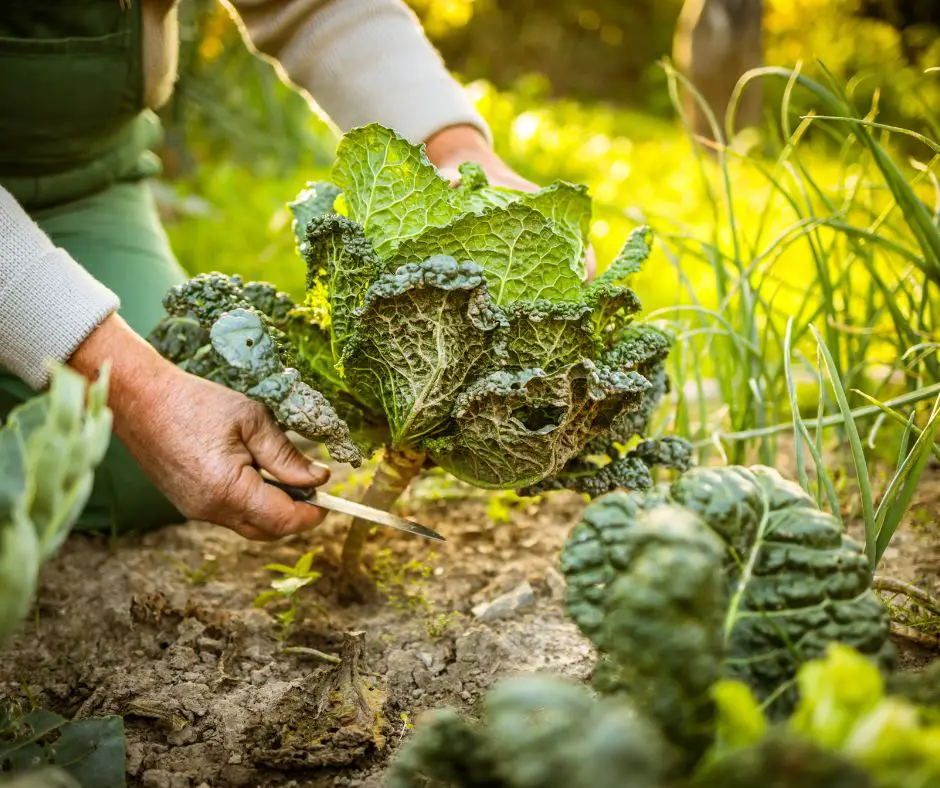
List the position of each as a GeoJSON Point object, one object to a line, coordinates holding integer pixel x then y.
{"type": "Point", "coordinates": [251, 533]}
{"type": "Point", "coordinates": [273, 452]}
{"type": "Point", "coordinates": [272, 511]}
{"type": "Point", "coordinates": [590, 263]}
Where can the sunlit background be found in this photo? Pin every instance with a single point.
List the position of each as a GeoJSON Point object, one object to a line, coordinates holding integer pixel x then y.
{"type": "Point", "coordinates": [793, 219]}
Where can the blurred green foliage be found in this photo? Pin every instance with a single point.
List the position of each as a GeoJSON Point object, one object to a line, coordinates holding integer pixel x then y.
{"type": "Point", "coordinates": [739, 249]}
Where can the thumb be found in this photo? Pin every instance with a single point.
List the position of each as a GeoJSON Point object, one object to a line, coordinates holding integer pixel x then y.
{"type": "Point", "coordinates": [274, 453]}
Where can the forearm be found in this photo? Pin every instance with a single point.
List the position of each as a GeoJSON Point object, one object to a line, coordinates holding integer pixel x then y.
{"type": "Point", "coordinates": [362, 61]}
{"type": "Point", "coordinates": [131, 360]}
{"type": "Point", "coordinates": [49, 304]}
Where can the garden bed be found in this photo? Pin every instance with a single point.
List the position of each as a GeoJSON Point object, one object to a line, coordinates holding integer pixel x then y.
{"type": "Point", "coordinates": [210, 697]}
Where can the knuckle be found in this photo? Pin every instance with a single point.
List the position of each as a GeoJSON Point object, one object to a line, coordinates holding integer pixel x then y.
{"type": "Point", "coordinates": [223, 493]}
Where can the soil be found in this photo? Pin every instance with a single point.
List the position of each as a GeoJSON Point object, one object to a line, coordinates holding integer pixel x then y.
{"type": "Point", "coordinates": [161, 628]}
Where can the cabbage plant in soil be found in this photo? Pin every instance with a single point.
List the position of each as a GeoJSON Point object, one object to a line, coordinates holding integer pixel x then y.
{"type": "Point", "coordinates": [448, 326]}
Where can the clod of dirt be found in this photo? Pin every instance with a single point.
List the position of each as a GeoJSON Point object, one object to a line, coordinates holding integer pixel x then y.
{"type": "Point", "coordinates": [333, 718]}
{"type": "Point", "coordinates": [510, 603]}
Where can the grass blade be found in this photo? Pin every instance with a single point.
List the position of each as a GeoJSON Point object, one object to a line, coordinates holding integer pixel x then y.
{"type": "Point", "coordinates": [858, 453]}
{"type": "Point", "coordinates": [901, 490]}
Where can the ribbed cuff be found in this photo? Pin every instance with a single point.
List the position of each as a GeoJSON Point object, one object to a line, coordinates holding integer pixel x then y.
{"type": "Point", "coordinates": [47, 312]}
{"type": "Point", "coordinates": [364, 61]}
{"type": "Point", "coordinates": [49, 304]}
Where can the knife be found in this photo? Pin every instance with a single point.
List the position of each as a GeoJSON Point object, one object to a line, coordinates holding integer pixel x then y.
{"type": "Point", "coordinates": [325, 501]}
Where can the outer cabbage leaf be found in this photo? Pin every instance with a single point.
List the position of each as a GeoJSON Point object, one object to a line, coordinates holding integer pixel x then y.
{"type": "Point", "coordinates": [631, 471]}
{"type": "Point", "coordinates": [793, 582]}
{"type": "Point", "coordinates": [547, 334]}
{"type": "Point", "coordinates": [342, 264]}
{"type": "Point", "coordinates": [394, 193]}
{"type": "Point", "coordinates": [390, 188]}
{"type": "Point", "coordinates": [522, 253]}
{"type": "Point", "coordinates": [317, 199]}
{"type": "Point", "coordinates": [629, 260]}
{"type": "Point", "coordinates": [569, 208]}
{"type": "Point", "coordinates": [421, 332]}
{"type": "Point", "coordinates": [244, 350]}
{"type": "Point", "coordinates": [660, 635]}
{"type": "Point", "coordinates": [513, 428]}
{"type": "Point", "coordinates": [537, 732]}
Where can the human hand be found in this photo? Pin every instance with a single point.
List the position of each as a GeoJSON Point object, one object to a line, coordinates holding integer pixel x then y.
{"type": "Point", "coordinates": [200, 443]}
{"type": "Point", "coordinates": [451, 147]}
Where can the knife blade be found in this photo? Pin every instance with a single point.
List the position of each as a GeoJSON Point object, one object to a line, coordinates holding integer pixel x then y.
{"type": "Point", "coordinates": [326, 501]}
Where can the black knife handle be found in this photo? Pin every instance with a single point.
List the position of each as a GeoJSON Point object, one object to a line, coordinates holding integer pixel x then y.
{"type": "Point", "coordinates": [296, 493]}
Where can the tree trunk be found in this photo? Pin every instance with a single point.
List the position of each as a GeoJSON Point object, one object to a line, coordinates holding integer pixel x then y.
{"type": "Point", "coordinates": [716, 42]}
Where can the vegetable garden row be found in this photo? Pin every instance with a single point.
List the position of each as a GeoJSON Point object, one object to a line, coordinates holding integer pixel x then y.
{"type": "Point", "coordinates": [737, 634]}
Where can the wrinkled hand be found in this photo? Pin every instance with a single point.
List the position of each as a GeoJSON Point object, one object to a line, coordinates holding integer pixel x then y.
{"type": "Point", "coordinates": [451, 147]}
{"type": "Point", "coordinates": [201, 443]}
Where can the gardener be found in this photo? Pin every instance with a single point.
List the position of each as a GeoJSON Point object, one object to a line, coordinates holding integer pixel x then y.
{"type": "Point", "coordinates": [84, 262]}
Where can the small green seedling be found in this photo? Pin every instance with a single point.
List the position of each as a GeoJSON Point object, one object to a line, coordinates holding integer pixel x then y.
{"type": "Point", "coordinates": [199, 576]}
{"type": "Point", "coordinates": [284, 589]}
{"type": "Point", "coordinates": [406, 725]}
{"type": "Point", "coordinates": [404, 586]}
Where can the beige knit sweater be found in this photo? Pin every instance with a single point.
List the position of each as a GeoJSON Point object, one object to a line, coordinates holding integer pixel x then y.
{"type": "Point", "coordinates": [360, 60]}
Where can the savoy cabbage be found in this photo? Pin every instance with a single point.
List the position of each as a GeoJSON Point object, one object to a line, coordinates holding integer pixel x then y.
{"type": "Point", "coordinates": [451, 326]}
{"type": "Point", "coordinates": [739, 643]}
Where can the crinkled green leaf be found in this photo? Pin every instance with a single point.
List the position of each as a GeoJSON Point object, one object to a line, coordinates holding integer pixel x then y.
{"type": "Point", "coordinates": [511, 429]}
{"type": "Point", "coordinates": [178, 338]}
{"type": "Point", "coordinates": [522, 254]}
{"type": "Point", "coordinates": [474, 192]}
{"type": "Point", "coordinates": [632, 471]}
{"type": "Point", "coordinates": [629, 259]}
{"type": "Point", "coordinates": [390, 188]}
{"type": "Point", "coordinates": [794, 583]}
{"type": "Point", "coordinates": [242, 340]}
{"type": "Point", "coordinates": [247, 352]}
{"type": "Point", "coordinates": [315, 200]}
{"type": "Point", "coordinates": [298, 407]}
{"type": "Point", "coordinates": [537, 731]}
{"type": "Point", "coordinates": [341, 259]}
{"type": "Point", "coordinates": [205, 297]}
{"type": "Point", "coordinates": [423, 330]}
{"type": "Point", "coordinates": [547, 334]}
{"type": "Point", "coordinates": [569, 208]}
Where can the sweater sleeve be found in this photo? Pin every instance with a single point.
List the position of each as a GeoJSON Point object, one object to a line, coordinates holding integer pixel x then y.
{"type": "Point", "coordinates": [362, 61]}
{"type": "Point", "coordinates": [49, 304]}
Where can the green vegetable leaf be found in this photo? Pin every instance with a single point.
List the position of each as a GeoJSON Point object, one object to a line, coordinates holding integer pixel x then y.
{"type": "Point", "coordinates": [390, 188]}
{"type": "Point", "coordinates": [522, 253]}
{"type": "Point", "coordinates": [515, 428]}
{"type": "Point", "coordinates": [422, 331]}
{"type": "Point", "coordinates": [794, 583]}
{"type": "Point", "coordinates": [629, 259]}
{"type": "Point", "coordinates": [241, 339]}
{"type": "Point", "coordinates": [91, 751]}
{"type": "Point", "coordinates": [300, 408]}
{"type": "Point", "coordinates": [569, 209]}
{"type": "Point", "coordinates": [548, 334]}
{"type": "Point", "coordinates": [316, 200]}
{"type": "Point", "coordinates": [49, 449]}
{"type": "Point", "coordinates": [341, 260]}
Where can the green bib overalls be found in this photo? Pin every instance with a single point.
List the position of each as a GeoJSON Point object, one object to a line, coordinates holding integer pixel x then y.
{"type": "Point", "coordinates": [75, 143]}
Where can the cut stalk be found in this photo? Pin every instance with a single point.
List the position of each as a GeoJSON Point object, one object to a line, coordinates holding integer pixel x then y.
{"type": "Point", "coordinates": [394, 473]}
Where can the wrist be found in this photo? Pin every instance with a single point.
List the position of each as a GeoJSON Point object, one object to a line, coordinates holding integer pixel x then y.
{"type": "Point", "coordinates": [463, 143]}
{"type": "Point", "coordinates": [135, 366]}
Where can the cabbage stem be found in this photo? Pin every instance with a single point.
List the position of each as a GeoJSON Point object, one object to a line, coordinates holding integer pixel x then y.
{"type": "Point", "coordinates": [395, 471]}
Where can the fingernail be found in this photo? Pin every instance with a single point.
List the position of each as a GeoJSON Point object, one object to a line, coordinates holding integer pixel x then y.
{"type": "Point", "coordinates": [316, 468]}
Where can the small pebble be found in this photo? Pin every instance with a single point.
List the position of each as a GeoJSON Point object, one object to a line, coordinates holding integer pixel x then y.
{"type": "Point", "coordinates": [507, 605]}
